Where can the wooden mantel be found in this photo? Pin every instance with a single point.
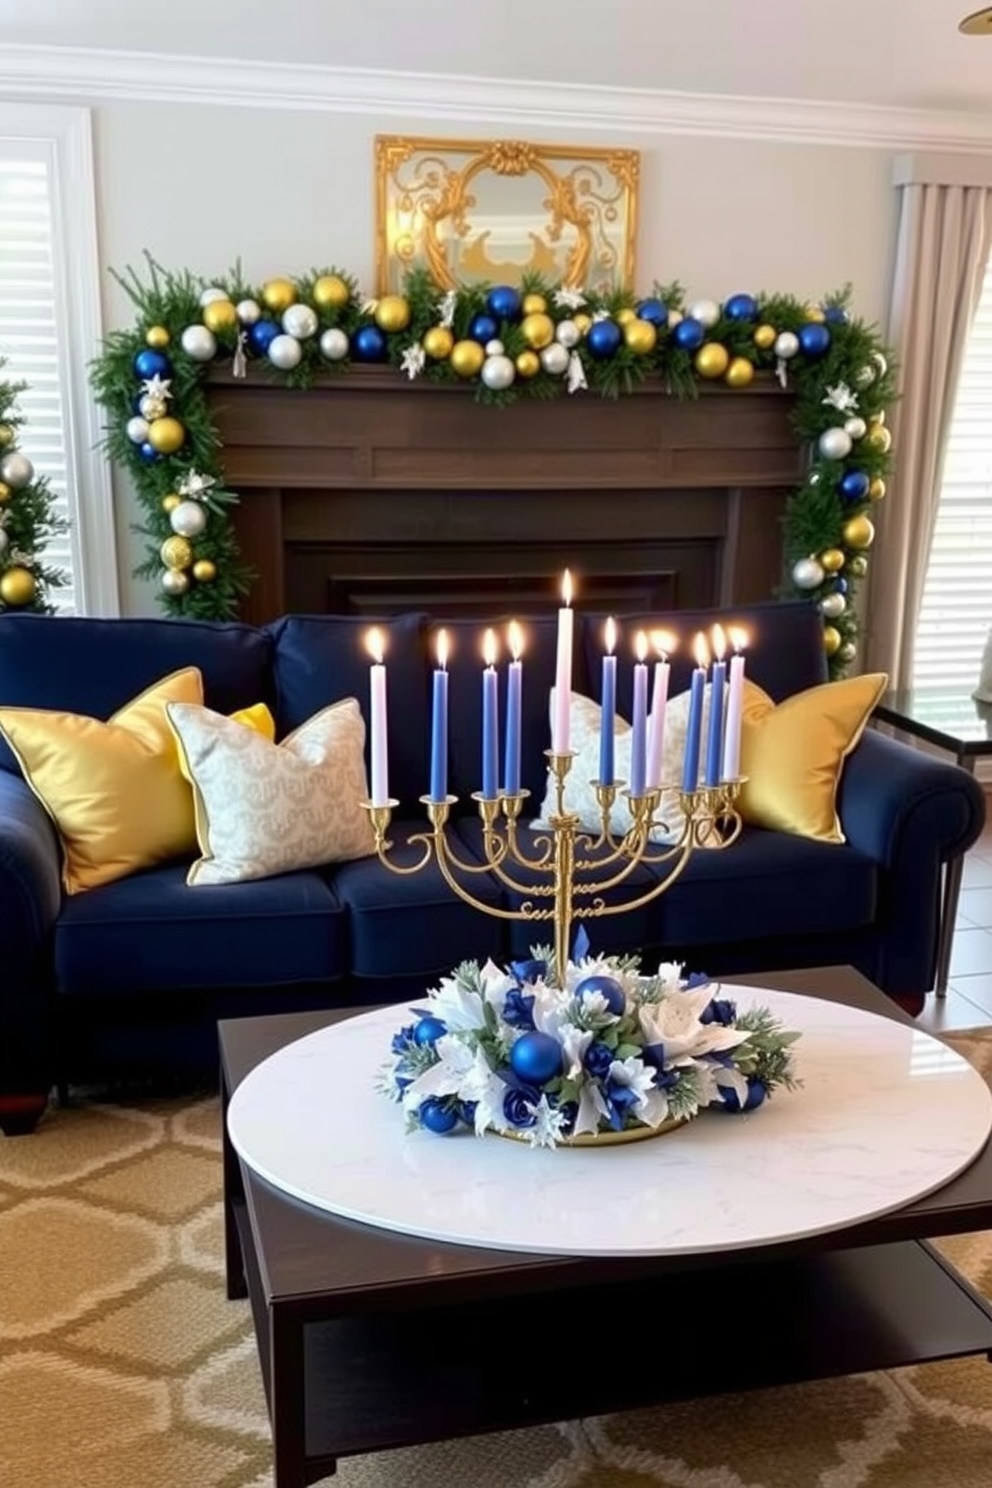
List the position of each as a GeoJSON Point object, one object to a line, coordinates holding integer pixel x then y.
{"type": "Point", "coordinates": [369, 493]}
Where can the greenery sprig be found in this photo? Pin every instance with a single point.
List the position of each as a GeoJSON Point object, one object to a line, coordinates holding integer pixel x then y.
{"type": "Point", "coordinates": [29, 518]}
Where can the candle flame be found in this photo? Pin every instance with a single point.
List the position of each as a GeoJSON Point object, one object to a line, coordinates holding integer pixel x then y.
{"type": "Point", "coordinates": [489, 648]}
{"type": "Point", "coordinates": [719, 640]}
{"type": "Point", "coordinates": [515, 640]}
{"type": "Point", "coordinates": [374, 645]}
{"type": "Point", "coordinates": [566, 588]}
{"type": "Point", "coordinates": [641, 645]}
{"type": "Point", "coordinates": [610, 635]}
{"type": "Point", "coordinates": [442, 649]}
{"type": "Point", "coordinates": [664, 642]}
{"type": "Point", "coordinates": [738, 637]}
{"type": "Point", "coordinates": [701, 651]}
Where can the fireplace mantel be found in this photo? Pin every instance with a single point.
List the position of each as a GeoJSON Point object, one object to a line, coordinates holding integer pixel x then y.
{"type": "Point", "coordinates": [369, 493]}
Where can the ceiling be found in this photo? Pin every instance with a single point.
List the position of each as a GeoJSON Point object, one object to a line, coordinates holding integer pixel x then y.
{"type": "Point", "coordinates": [894, 53]}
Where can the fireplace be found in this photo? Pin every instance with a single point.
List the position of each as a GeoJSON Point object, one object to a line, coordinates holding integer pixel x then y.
{"type": "Point", "coordinates": [370, 495]}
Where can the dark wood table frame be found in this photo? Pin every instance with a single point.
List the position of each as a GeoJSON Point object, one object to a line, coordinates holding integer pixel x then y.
{"type": "Point", "coordinates": [369, 1340]}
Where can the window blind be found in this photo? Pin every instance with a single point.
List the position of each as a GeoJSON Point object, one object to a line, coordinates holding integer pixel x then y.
{"type": "Point", "coordinates": [32, 342]}
{"type": "Point", "coordinates": [957, 600]}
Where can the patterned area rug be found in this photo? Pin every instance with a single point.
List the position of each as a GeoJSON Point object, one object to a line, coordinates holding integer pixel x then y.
{"type": "Point", "coordinates": [122, 1365]}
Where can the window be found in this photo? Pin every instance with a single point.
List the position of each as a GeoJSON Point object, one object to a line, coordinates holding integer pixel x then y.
{"type": "Point", "coordinates": [957, 599]}
{"type": "Point", "coordinates": [49, 330]}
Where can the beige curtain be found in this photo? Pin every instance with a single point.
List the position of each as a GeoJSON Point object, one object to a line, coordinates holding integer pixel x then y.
{"type": "Point", "coordinates": [944, 240]}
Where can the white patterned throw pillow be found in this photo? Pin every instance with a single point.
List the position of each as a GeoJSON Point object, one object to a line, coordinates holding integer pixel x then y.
{"type": "Point", "coordinates": [264, 808]}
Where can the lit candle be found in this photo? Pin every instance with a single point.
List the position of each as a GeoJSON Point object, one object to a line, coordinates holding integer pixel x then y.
{"type": "Point", "coordinates": [664, 644]}
{"type": "Point", "coordinates": [563, 670]}
{"type": "Point", "coordinates": [377, 727]}
{"type": "Point", "coordinates": [608, 698]}
{"type": "Point", "coordinates": [439, 722]}
{"type": "Point", "coordinates": [514, 702]}
{"type": "Point", "coordinates": [735, 707]}
{"type": "Point", "coordinates": [694, 728]}
{"type": "Point", "coordinates": [714, 738]}
{"type": "Point", "coordinates": [639, 722]}
{"type": "Point", "coordinates": [490, 720]}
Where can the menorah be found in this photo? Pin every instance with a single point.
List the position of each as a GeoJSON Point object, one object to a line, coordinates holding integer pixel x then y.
{"type": "Point", "coordinates": [563, 858]}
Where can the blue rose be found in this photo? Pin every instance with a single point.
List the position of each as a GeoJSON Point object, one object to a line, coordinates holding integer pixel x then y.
{"type": "Point", "coordinates": [403, 1039]}
{"type": "Point", "coordinates": [515, 1105]}
{"type": "Point", "coordinates": [518, 1009]}
{"type": "Point", "coordinates": [620, 1099]}
{"type": "Point", "coordinates": [756, 1093]}
{"type": "Point", "coordinates": [695, 980]}
{"type": "Point", "coordinates": [721, 1011]}
{"type": "Point", "coordinates": [597, 1059]}
{"type": "Point", "coordinates": [570, 1111]}
{"type": "Point", "coordinates": [529, 970]}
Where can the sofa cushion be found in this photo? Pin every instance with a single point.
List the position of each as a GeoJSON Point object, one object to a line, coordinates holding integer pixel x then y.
{"type": "Point", "coordinates": [150, 932]}
{"type": "Point", "coordinates": [94, 666]}
{"type": "Point", "coordinates": [414, 925]}
{"type": "Point", "coordinates": [320, 659]}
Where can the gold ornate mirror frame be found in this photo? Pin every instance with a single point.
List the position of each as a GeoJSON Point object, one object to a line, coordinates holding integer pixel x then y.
{"type": "Point", "coordinates": [472, 211]}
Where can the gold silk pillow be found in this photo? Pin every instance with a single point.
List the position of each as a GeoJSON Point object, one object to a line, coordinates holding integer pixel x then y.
{"type": "Point", "coordinates": [793, 753]}
{"type": "Point", "coordinates": [114, 790]}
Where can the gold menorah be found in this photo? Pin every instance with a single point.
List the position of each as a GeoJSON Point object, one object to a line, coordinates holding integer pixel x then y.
{"type": "Point", "coordinates": [709, 818]}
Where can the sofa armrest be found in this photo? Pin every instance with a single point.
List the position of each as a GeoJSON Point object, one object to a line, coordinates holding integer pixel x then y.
{"type": "Point", "coordinates": [30, 884]}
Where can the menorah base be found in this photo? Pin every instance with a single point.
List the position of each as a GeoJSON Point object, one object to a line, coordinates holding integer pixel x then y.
{"type": "Point", "coordinates": [606, 1138]}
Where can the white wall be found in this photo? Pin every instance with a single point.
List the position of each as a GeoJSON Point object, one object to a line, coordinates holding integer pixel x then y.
{"type": "Point", "coordinates": [287, 190]}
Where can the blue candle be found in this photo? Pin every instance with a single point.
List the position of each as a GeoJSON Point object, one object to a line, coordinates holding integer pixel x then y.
{"type": "Point", "coordinates": [490, 721]}
{"type": "Point", "coordinates": [714, 737]}
{"type": "Point", "coordinates": [514, 703]}
{"type": "Point", "coordinates": [694, 728]}
{"type": "Point", "coordinates": [608, 699]}
{"type": "Point", "coordinates": [439, 722]}
{"type": "Point", "coordinates": [639, 722]}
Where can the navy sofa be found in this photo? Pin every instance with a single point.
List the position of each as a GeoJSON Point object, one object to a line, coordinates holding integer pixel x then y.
{"type": "Point", "coordinates": [131, 977]}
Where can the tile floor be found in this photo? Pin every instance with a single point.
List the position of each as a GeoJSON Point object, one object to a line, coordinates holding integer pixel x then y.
{"type": "Point", "coordinates": [968, 1003]}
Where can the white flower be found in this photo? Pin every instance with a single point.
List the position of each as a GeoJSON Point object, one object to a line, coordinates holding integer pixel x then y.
{"type": "Point", "coordinates": [496, 983]}
{"type": "Point", "coordinates": [841, 397]}
{"type": "Point", "coordinates": [670, 975]}
{"type": "Point", "coordinates": [414, 360]}
{"type": "Point", "coordinates": [369, 306]}
{"type": "Point", "coordinates": [571, 299]}
{"type": "Point", "coordinates": [592, 1107]}
{"type": "Point", "coordinates": [461, 1010]}
{"type": "Point", "coordinates": [549, 1124]}
{"type": "Point", "coordinates": [195, 485]}
{"type": "Point", "coordinates": [601, 315]}
{"type": "Point", "coordinates": [576, 374]}
{"type": "Point", "coordinates": [446, 309]}
{"type": "Point", "coordinates": [157, 387]}
{"type": "Point", "coordinates": [552, 1009]}
{"type": "Point", "coordinates": [651, 1104]}
{"type": "Point", "coordinates": [674, 1022]}
{"type": "Point", "coordinates": [574, 1043]}
{"type": "Point", "coordinates": [455, 1060]}
{"type": "Point", "coordinates": [483, 1085]}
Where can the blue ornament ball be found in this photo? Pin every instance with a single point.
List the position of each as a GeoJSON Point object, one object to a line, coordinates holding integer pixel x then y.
{"type": "Point", "coordinates": [655, 311]}
{"type": "Point", "coordinates": [607, 987]}
{"type": "Point", "coordinates": [536, 1058]}
{"type": "Point", "coordinates": [368, 344]}
{"type": "Point", "coordinates": [262, 334]}
{"type": "Point", "coordinates": [604, 339]}
{"type": "Point", "coordinates": [149, 363]}
{"type": "Point", "coordinates": [689, 334]}
{"type": "Point", "coordinates": [148, 454]}
{"type": "Point", "coordinates": [741, 307]}
{"type": "Point", "coordinates": [854, 485]}
{"type": "Point", "coordinates": [756, 1093]}
{"type": "Point", "coordinates": [428, 1031]}
{"type": "Point", "coordinates": [482, 328]}
{"type": "Point", "coordinates": [437, 1116]}
{"type": "Point", "coordinates": [814, 339]}
{"type": "Point", "coordinates": [835, 315]}
{"type": "Point", "coordinates": [504, 303]}
{"type": "Point", "coordinates": [840, 586]}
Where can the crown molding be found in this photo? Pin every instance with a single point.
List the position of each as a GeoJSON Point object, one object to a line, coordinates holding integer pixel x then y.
{"type": "Point", "coordinates": [81, 75]}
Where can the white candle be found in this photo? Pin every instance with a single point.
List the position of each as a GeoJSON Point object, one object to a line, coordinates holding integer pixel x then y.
{"type": "Point", "coordinates": [377, 725]}
{"type": "Point", "coordinates": [639, 719]}
{"type": "Point", "coordinates": [735, 706]}
{"type": "Point", "coordinates": [563, 670]}
{"type": "Point", "coordinates": [664, 644]}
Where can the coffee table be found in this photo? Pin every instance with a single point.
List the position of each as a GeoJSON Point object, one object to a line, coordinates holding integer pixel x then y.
{"type": "Point", "coordinates": [369, 1339]}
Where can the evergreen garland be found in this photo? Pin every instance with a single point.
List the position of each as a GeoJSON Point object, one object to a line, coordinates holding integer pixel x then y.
{"type": "Point", "coordinates": [28, 518]}
{"type": "Point", "coordinates": [846, 379]}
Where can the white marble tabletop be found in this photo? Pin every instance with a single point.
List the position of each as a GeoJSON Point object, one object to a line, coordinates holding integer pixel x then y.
{"type": "Point", "coordinates": [886, 1114]}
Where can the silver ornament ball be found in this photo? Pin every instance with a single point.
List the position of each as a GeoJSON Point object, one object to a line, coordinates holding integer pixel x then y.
{"type": "Point", "coordinates": [498, 373]}
{"type": "Point", "coordinates": [188, 519]}
{"type": "Point", "coordinates": [707, 312]}
{"type": "Point", "coordinates": [567, 334]}
{"type": "Point", "coordinates": [152, 407]}
{"type": "Point", "coordinates": [833, 605]}
{"type": "Point", "coordinates": [300, 321]}
{"type": "Point", "coordinates": [848, 651]}
{"type": "Point", "coordinates": [495, 348]}
{"type": "Point", "coordinates": [137, 430]}
{"type": "Point", "coordinates": [16, 470]}
{"type": "Point", "coordinates": [284, 352]}
{"type": "Point", "coordinates": [4, 539]}
{"type": "Point", "coordinates": [212, 293]}
{"type": "Point", "coordinates": [835, 444]}
{"type": "Point", "coordinates": [248, 311]}
{"type": "Point", "coordinates": [199, 343]}
{"type": "Point", "coordinates": [881, 364]}
{"type": "Point", "coordinates": [334, 344]}
{"type": "Point", "coordinates": [173, 581]}
{"type": "Point", "coordinates": [807, 573]}
{"type": "Point", "coordinates": [856, 427]}
{"type": "Point", "coordinates": [786, 345]}
{"type": "Point", "coordinates": [554, 359]}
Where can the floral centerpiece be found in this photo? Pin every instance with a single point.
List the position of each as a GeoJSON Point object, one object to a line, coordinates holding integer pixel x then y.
{"type": "Point", "coordinates": [610, 1055]}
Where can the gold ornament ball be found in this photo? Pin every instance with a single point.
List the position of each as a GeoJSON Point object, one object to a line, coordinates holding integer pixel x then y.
{"type": "Point", "coordinates": [6, 435]}
{"type": "Point", "coordinates": [858, 566]}
{"type": "Point", "coordinates": [157, 337]}
{"type": "Point", "coordinates": [528, 364]}
{"type": "Point", "coordinates": [4, 492]}
{"type": "Point", "coordinates": [765, 337]}
{"type": "Point", "coordinates": [582, 321]}
{"type": "Point", "coordinates": [832, 561]}
{"type": "Point", "coordinates": [739, 373]}
{"type": "Point", "coordinates": [625, 316]}
{"type": "Point", "coordinates": [151, 407]}
{"type": "Point", "coordinates": [534, 304]}
{"type": "Point", "coordinates": [176, 552]}
{"type": "Point", "coordinates": [279, 294]}
{"type": "Point", "coordinates": [831, 639]}
{"type": "Point", "coordinates": [17, 586]}
{"type": "Point", "coordinates": [204, 571]}
{"type": "Point", "coordinates": [859, 532]}
{"type": "Point", "coordinates": [220, 317]}
{"type": "Point", "coordinates": [467, 358]}
{"type": "Point", "coordinates": [392, 313]}
{"type": "Point", "coordinates": [814, 314]}
{"type": "Point", "coordinates": [877, 489]}
{"type": "Point", "coordinates": [330, 292]}
{"type": "Point", "coordinates": [712, 360]}
{"type": "Point", "coordinates": [640, 335]}
{"type": "Point", "coordinates": [166, 435]}
{"type": "Point", "coordinates": [879, 438]}
{"type": "Point", "coordinates": [438, 342]}
{"type": "Point", "coordinates": [170, 502]}
{"type": "Point", "coordinates": [538, 329]}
